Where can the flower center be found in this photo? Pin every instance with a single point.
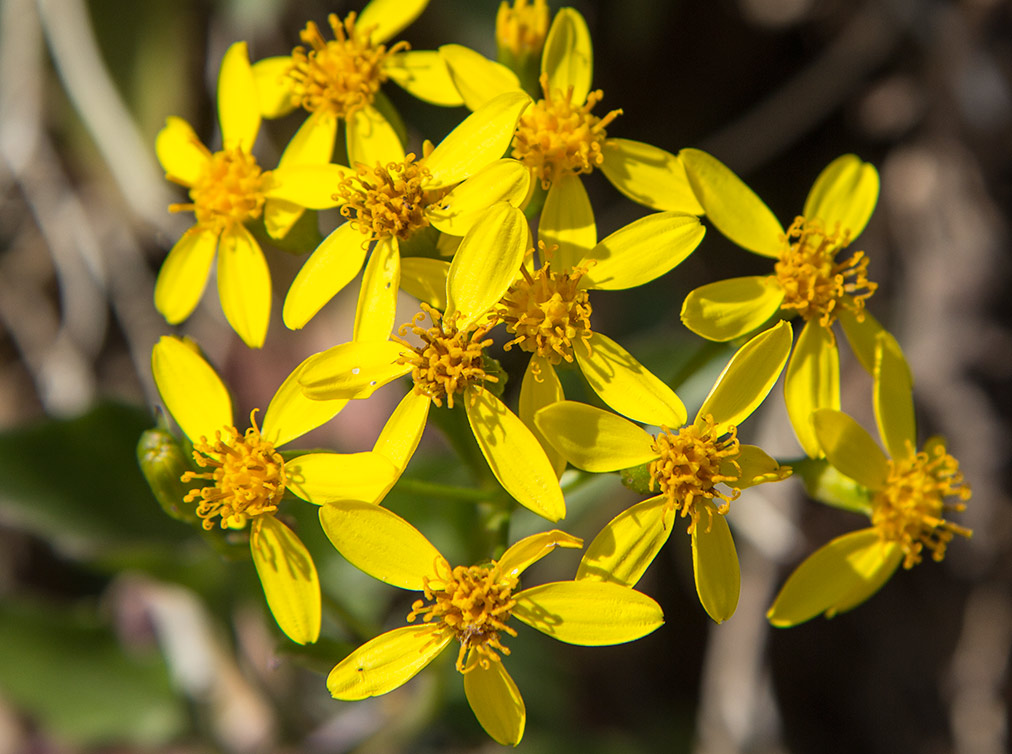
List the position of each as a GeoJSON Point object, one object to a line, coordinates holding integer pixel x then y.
{"type": "Point", "coordinates": [909, 508]}
{"type": "Point", "coordinates": [814, 284]}
{"type": "Point", "coordinates": [247, 472]}
{"type": "Point", "coordinates": [449, 360]}
{"type": "Point", "coordinates": [691, 463]}
{"type": "Point", "coordinates": [547, 311]}
{"type": "Point", "coordinates": [522, 28]}
{"type": "Point", "coordinates": [475, 603]}
{"type": "Point", "coordinates": [230, 189]}
{"type": "Point", "coordinates": [556, 136]}
{"type": "Point", "coordinates": [386, 201]}
{"type": "Point", "coordinates": [339, 76]}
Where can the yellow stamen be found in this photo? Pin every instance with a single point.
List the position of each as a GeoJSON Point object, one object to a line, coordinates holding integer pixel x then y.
{"type": "Point", "coordinates": [556, 136]}
{"type": "Point", "coordinates": [229, 190]}
{"type": "Point", "coordinates": [522, 28]}
{"type": "Point", "coordinates": [474, 603]}
{"type": "Point", "coordinates": [814, 284]}
{"type": "Point", "coordinates": [909, 507]}
{"type": "Point", "coordinates": [689, 468]}
{"type": "Point", "coordinates": [386, 201]}
{"type": "Point", "coordinates": [248, 475]}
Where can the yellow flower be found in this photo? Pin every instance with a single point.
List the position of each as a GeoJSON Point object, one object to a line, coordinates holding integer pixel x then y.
{"type": "Point", "coordinates": [387, 203]}
{"type": "Point", "coordinates": [685, 466]}
{"type": "Point", "coordinates": [559, 138]}
{"type": "Point", "coordinates": [909, 493]}
{"type": "Point", "coordinates": [473, 605]}
{"type": "Point", "coordinates": [247, 477]}
{"type": "Point", "coordinates": [808, 279]}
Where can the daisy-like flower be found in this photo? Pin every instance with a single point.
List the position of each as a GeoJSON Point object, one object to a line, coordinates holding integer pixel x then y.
{"type": "Point", "coordinates": [449, 363]}
{"type": "Point", "coordinates": [686, 466]}
{"type": "Point", "coordinates": [813, 276]}
{"type": "Point", "coordinates": [473, 605]}
{"type": "Point", "coordinates": [228, 189]}
{"type": "Point", "coordinates": [388, 202]}
{"type": "Point", "coordinates": [246, 476]}
{"type": "Point", "coordinates": [909, 493]}
{"type": "Point", "coordinates": [559, 138]}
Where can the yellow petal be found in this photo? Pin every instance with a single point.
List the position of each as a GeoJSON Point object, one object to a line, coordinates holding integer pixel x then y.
{"type": "Point", "coordinates": [568, 57]}
{"type": "Point", "coordinates": [628, 544]}
{"type": "Point", "coordinates": [829, 576]}
{"type": "Point", "coordinates": [425, 279]}
{"type": "Point", "coordinates": [384, 19]}
{"type": "Point", "coordinates": [289, 578]}
{"type": "Point", "coordinates": [371, 139]}
{"type": "Point", "coordinates": [643, 250]}
{"type": "Point", "coordinates": [504, 180]}
{"type": "Point", "coordinates": [715, 566]}
{"type": "Point", "coordinates": [183, 276]}
{"type": "Point", "coordinates": [757, 467]}
{"type": "Point", "coordinates": [748, 377]}
{"type": "Point", "coordinates": [291, 414]}
{"type": "Point", "coordinates": [313, 143]}
{"type": "Point", "coordinates": [180, 152]}
{"type": "Point", "coordinates": [486, 263]}
{"type": "Point", "coordinates": [541, 387]}
{"type": "Point", "coordinates": [850, 448]}
{"type": "Point", "coordinates": [274, 86]}
{"type": "Point", "coordinates": [280, 217]}
{"type": "Point", "coordinates": [352, 370]}
{"type": "Point", "coordinates": [244, 285]}
{"type": "Point", "coordinates": [730, 205]}
{"type": "Point", "coordinates": [322, 477]}
{"type": "Point", "coordinates": [495, 700]}
{"type": "Point", "coordinates": [649, 176]}
{"type": "Point", "coordinates": [812, 382]}
{"type": "Point", "coordinates": [844, 195]}
{"type": "Point", "coordinates": [893, 398]}
{"type": "Point", "coordinates": [530, 550]}
{"type": "Point", "coordinates": [424, 74]}
{"type": "Point", "coordinates": [626, 385]}
{"type": "Point", "coordinates": [386, 662]}
{"type": "Point", "coordinates": [308, 186]}
{"type": "Point", "coordinates": [381, 543]}
{"type": "Point", "coordinates": [335, 262]}
{"type": "Point", "coordinates": [876, 572]}
{"type": "Point", "coordinates": [480, 139]}
{"type": "Point", "coordinates": [477, 78]}
{"type": "Point", "coordinates": [861, 334]}
{"type": "Point", "coordinates": [567, 221]}
{"type": "Point", "coordinates": [191, 390]}
{"type": "Point", "coordinates": [400, 435]}
{"type": "Point", "coordinates": [589, 613]}
{"type": "Point", "coordinates": [514, 454]}
{"type": "Point", "coordinates": [593, 439]}
{"type": "Point", "coordinates": [238, 101]}
{"type": "Point", "coordinates": [376, 310]}
{"type": "Point", "coordinates": [728, 309]}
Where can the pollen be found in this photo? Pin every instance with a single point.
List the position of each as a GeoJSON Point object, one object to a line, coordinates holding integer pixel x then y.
{"type": "Point", "coordinates": [522, 28]}
{"type": "Point", "coordinates": [338, 76]}
{"type": "Point", "coordinates": [547, 311]}
{"type": "Point", "coordinates": [919, 490]}
{"type": "Point", "coordinates": [690, 465]}
{"type": "Point", "coordinates": [474, 603]}
{"type": "Point", "coordinates": [556, 136]}
{"type": "Point", "coordinates": [386, 201]}
{"type": "Point", "coordinates": [448, 360]}
{"type": "Point", "coordinates": [815, 285]}
{"type": "Point", "coordinates": [229, 190]}
{"type": "Point", "coordinates": [247, 473]}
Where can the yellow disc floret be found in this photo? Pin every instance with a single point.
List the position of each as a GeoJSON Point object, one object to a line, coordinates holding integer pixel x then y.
{"type": "Point", "coordinates": [448, 360]}
{"type": "Point", "coordinates": [386, 201]}
{"type": "Point", "coordinates": [556, 136]}
{"type": "Point", "coordinates": [815, 285]}
{"type": "Point", "coordinates": [247, 472]}
{"type": "Point", "coordinates": [229, 190]}
{"type": "Point", "coordinates": [909, 508]}
{"type": "Point", "coordinates": [690, 465]}
{"type": "Point", "coordinates": [339, 76]}
{"type": "Point", "coordinates": [474, 603]}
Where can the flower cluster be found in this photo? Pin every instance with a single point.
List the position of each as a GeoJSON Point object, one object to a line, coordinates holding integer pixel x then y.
{"type": "Point", "coordinates": [494, 233]}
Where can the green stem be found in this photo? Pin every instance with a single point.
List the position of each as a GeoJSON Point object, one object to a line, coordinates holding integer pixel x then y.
{"type": "Point", "coordinates": [447, 491]}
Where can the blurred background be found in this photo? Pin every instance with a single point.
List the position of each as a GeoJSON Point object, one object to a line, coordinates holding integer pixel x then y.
{"type": "Point", "coordinates": [122, 630]}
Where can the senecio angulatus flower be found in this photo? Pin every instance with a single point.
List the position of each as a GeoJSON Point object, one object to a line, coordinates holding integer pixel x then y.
{"type": "Point", "coordinates": [474, 606]}
{"type": "Point", "coordinates": [245, 476]}
{"type": "Point", "coordinates": [810, 279]}
{"type": "Point", "coordinates": [686, 466]}
{"type": "Point", "coordinates": [909, 493]}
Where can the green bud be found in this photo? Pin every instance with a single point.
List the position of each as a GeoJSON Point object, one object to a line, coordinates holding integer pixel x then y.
{"type": "Point", "coordinates": [637, 479]}
{"type": "Point", "coordinates": [163, 461]}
